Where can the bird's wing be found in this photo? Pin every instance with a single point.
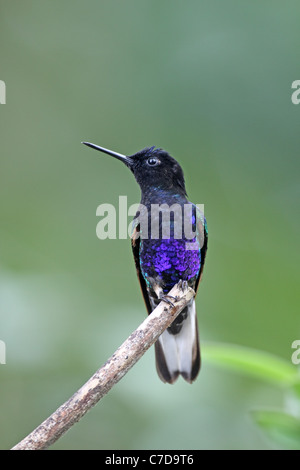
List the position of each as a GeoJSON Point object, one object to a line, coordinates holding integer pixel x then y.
{"type": "Point", "coordinates": [202, 235]}
{"type": "Point", "coordinates": [135, 245]}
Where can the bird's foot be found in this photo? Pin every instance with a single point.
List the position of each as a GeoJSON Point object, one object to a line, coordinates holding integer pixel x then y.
{"type": "Point", "coordinates": [166, 298]}
{"type": "Point", "coordinates": [183, 285]}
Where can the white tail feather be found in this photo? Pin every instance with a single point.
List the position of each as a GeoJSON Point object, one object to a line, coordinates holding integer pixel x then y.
{"type": "Point", "coordinates": [180, 350]}
{"type": "Point", "coordinates": [185, 341]}
{"type": "Point", "coordinates": [170, 351]}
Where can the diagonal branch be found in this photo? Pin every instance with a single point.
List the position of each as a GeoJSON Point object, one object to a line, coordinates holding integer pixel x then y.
{"type": "Point", "coordinates": [109, 374]}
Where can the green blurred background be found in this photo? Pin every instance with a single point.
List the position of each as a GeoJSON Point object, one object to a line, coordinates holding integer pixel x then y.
{"type": "Point", "coordinates": [210, 82]}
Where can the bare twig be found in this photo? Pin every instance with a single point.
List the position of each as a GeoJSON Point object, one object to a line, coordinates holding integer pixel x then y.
{"type": "Point", "coordinates": [109, 374]}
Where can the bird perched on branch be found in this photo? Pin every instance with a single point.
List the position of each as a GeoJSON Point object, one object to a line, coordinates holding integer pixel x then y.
{"type": "Point", "coordinates": [169, 244]}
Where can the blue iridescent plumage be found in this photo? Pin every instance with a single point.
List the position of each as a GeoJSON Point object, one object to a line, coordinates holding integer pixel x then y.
{"type": "Point", "coordinates": [170, 260]}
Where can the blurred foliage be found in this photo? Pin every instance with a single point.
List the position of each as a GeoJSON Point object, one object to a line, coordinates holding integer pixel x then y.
{"type": "Point", "coordinates": [283, 427]}
{"type": "Point", "coordinates": [210, 82]}
{"type": "Point", "coordinates": [257, 364]}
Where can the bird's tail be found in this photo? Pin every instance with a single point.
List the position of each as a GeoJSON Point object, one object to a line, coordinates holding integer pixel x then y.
{"type": "Point", "coordinates": [177, 350]}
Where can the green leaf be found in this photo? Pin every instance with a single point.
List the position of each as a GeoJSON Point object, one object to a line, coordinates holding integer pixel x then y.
{"type": "Point", "coordinates": [296, 388]}
{"type": "Point", "coordinates": [281, 427]}
{"type": "Point", "coordinates": [258, 364]}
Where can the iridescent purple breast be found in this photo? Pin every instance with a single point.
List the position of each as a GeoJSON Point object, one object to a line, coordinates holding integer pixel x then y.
{"type": "Point", "coordinates": [170, 260]}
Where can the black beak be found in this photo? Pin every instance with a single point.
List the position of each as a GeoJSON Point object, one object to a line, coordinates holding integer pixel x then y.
{"type": "Point", "coordinates": [119, 156]}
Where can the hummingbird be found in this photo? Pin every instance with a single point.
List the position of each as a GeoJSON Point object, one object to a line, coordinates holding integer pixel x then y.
{"type": "Point", "coordinates": [168, 256]}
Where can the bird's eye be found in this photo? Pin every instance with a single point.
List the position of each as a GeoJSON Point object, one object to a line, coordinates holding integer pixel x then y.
{"type": "Point", "coordinates": [152, 161]}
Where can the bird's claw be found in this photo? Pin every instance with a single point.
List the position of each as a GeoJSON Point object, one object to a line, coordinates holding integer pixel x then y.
{"type": "Point", "coordinates": [183, 285]}
{"type": "Point", "coordinates": [166, 298]}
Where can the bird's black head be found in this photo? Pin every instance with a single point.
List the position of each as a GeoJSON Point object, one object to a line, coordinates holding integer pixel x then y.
{"type": "Point", "coordinates": [152, 168]}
